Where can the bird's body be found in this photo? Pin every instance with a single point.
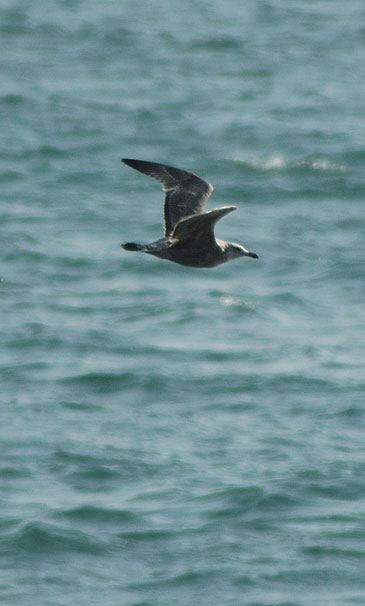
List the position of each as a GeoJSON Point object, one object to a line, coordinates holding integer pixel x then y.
{"type": "Point", "coordinates": [189, 232]}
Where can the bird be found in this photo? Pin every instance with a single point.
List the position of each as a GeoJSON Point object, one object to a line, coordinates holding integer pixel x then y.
{"type": "Point", "coordinates": [188, 231]}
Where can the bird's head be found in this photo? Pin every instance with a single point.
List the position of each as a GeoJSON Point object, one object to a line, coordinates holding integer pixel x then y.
{"type": "Point", "coordinates": [234, 250]}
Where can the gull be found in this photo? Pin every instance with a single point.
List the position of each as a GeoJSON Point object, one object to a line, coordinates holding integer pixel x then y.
{"type": "Point", "coordinates": [189, 232]}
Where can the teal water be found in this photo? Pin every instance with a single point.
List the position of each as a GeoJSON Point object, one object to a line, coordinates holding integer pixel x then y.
{"type": "Point", "coordinates": [171, 435]}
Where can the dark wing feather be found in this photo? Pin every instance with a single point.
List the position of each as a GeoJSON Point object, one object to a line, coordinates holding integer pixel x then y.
{"type": "Point", "coordinates": [200, 227]}
{"type": "Point", "coordinates": [186, 193]}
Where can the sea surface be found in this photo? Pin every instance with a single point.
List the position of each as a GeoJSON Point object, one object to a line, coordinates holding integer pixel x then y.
{"type": "Point", "coordinates": [174, 436]}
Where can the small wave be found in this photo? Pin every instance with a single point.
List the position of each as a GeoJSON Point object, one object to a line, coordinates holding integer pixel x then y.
{"type": "Point", "coordinates": [11, 175]}
{"type": "Point", "coordinates": [101, 381]}
{"type": "Point", "coordinates": [13, 21]}
{"type": "Point", "coordinates": [144, 536]}
{"type": "Point", "coordinates": [231, 500]}
{"type": "Point", "coordinates": [109, 382]}
{"type": "Point", "coordinates": [41, 539]}
{"type": "Point", "coordinates": [278, 162]}
{"type": "Point", "coordinates": [52, 151]}
{"type": "Point", "coordinates": [12, 99]}
{"type": "Point", "coordinates": [329, 550]}
{"type": "Point", "coordinates": [188, 578]}
{"type": "Point", "coordinates": [103, 473]}
{"type": "Point", "coordinates": [275, 161]}
{"type": "Point", "coordinates": [232, 301]}
{"type": "Point", "coordinates": [318, 164]}
{"type": "Point", "coordinates": [250, 501]}
{"type": "Point", "coordinates": [100, 515]}
{"type": "Point", "coordinates": [82, 406]}
{"type": "Point", "coordinates": [220, 43]}
{"type": "Point", "coordinates": [235, 302]}
{"type": "Point", "coordinates": [349, 412]}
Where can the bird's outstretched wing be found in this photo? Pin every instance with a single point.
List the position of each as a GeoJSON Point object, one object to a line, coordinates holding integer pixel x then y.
{"type": "Point", "coordinates": [186, 193]}
{"type": "Point", "coordinates": [200, 227]}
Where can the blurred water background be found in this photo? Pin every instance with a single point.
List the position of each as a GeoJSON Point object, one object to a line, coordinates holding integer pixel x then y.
{"type": "Point", "coordinates": [173, 436]}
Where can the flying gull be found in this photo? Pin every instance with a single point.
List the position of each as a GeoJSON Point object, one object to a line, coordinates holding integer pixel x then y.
{"type": "Point", "coordinates": [189, 232]}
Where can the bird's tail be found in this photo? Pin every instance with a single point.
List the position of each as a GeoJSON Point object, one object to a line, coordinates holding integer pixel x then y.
{"type": "Point", "coordinates": [132, 246]}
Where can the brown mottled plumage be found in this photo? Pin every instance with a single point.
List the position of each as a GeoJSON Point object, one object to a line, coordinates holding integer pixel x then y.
{"type": "Point", "coordinates": [189, 232]}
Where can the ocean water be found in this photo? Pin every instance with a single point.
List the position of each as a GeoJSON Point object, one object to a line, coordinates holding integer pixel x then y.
{"type": "Point", "coordinates": [173, 436]}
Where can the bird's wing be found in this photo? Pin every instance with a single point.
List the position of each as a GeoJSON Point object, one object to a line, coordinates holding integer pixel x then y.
{"type": "Point", "coordinates": [186, 193]}
{"type": "Point", "coordinates": [200, 227]}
